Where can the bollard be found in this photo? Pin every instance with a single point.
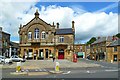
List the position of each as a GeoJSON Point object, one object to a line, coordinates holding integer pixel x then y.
{"type": "Point", "coordinates": [18, 67]}
{"type": "Point", "coordinates": [57, 67]}
{"type": "Point", "coordinates": [111, 61]}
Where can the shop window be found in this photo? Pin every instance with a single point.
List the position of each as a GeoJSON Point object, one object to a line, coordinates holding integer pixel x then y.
{"type": "Point", "coordinates": [115, 57]}
{"type": "Point", "coordinates": [30, 53]}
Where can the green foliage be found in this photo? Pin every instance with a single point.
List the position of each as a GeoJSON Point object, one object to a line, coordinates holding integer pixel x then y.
{"type": "Point", "coordinates": [118, 35]}
{"type": "Point", "coordinates": [91, 40]}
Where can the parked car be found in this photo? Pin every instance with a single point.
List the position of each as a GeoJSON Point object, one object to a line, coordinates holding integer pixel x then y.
{"type": "Point", "coordinates": [16, 58]}
{"type": "Point", "coordinates": [5, 60]}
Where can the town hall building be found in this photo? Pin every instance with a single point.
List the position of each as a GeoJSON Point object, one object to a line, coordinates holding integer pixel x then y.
{"type": "Point", "coordinates": [40, 40]}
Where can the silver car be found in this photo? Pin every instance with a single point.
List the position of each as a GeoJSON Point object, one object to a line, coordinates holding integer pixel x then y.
{"type": "Point", "coordinates": [5, 60]}
{"type": "Point", "coordinates": [16, 58]}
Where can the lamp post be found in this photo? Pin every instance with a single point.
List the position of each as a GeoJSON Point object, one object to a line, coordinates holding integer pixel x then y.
{"type": "Point", "coordinates": [54, 44]}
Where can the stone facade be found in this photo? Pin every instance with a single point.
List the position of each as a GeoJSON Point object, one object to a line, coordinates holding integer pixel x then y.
{"type": "Point", "coordinates": [98, 49]}
{"type": "Point", "coordinates": [80, 50]}
{"type": "Point", "coordinates": [14, 49]}
{"type": "Point", "coordinates": [113, 51]}
{"type": "Point", "coordinates": [5, 43]}
{"type": "Point", "coordinates": [40, 40]}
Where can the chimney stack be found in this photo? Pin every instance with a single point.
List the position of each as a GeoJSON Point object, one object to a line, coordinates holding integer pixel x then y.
{"type": "Point", "coordinates": [20, 26]}
{"type": "Point", "coordinates": [57, 25]}
{"type": "Point", "coordinates": [73, 24]}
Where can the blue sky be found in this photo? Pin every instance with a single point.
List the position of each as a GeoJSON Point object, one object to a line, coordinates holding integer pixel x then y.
{"type": "Point", "coordinates": [88, 6]}
{"type": "Point", "coordinates": [88, 14]}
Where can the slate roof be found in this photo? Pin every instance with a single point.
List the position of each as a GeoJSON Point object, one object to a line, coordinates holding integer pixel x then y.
{"type": "Point", "coordinates": [102, 39]}
{"type": "Point", "coordinates": [64, 31]}
{"type": "Point", "coordinates": [13, 44]}
{"type": "Point", "coordinates": [115, 43]}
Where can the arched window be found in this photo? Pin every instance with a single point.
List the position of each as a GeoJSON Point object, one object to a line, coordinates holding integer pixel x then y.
{"type": "Point", "coordinates": [43, 34]}
{"type": "Point", "coordinates": [29, 35]}
{"type": "Point", "coordinates": [36, 33]}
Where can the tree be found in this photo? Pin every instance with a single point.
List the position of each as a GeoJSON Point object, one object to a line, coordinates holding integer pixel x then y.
{"type": "Point", "coordinates": [91, 40]}
{"type": "Point", "coordinates": [118, 35]}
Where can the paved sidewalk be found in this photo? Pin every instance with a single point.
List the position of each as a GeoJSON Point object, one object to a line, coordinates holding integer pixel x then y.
{"type": "Point", "coordinates": [37, 64]}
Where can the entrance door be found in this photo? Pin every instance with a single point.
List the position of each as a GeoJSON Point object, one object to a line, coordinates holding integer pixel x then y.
{"type": "Point", "coordinates": [46, 51]}
{"type": "Point", "coordinates": [61, 54]}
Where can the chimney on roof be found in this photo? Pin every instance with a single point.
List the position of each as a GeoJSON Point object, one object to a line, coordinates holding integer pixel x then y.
{"type": "Point", "coordinates": [53, 24]}
{"type": "Point", "coordinates": [36, 14]}
{"type": "Point", "coordinates": [99, 37]}
{"type": "Point", "coordinates": [114, 38]}
{"type": "Point", "coordinates": [20, 26]}
{"type": "Point", "coordinates": [73, 24]}
{"type": "Point", "coordinates": [57, 25]}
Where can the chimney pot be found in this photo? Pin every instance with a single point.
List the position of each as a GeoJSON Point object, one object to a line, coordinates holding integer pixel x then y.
{"type": "Point", "coordinates": [57, 25]}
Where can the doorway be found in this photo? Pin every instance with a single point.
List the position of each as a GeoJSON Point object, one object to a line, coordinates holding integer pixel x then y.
{"type": "Point", "coordinates": [46, 51]}
{"type": "Point", "coordinates": [61, 54]}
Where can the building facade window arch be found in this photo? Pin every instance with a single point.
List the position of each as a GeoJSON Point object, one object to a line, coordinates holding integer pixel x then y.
{"type": "Point", "coordinates": [43, 35]}
{"type": "Point", "coordinates": [36, 33]}
{"type": "Point", "coordinates": [29, 35]}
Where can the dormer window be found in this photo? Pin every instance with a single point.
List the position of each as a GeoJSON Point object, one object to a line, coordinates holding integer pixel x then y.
{"type": "Point", "coordinates": [36, 33]}
{"type": "Point", "coordinates": [43, 34]}
{"type": "Point", "coordinates": [61, 39]}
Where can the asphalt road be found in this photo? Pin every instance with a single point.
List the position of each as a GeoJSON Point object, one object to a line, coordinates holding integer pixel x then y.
{"type": "Point", "coordinates": [108, 70]}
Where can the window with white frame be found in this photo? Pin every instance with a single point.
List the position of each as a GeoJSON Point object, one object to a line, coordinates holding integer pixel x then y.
{"type": "Point", "coordinates": [36, 33]}
{"type": "Point", "coordinates": [43, 34]}
{"type": "Point", "coordinates": [29, 35]}
{"type": "Point", "coordinates": [61, 39]}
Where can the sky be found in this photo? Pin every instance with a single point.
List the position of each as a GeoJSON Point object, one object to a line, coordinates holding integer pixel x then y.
{"type": "Point", "coordinates": [92, 19]}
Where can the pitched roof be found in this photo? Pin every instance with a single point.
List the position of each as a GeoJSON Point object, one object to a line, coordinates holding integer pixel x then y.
{"type": "Point", "coordinates": [13, 44]}
{"type": "Point", "coordinates": [115, 43]}
{"type": "Point", "coordinates": [64, 31]}
{"type": "Point", "coordinates": [102, 39]}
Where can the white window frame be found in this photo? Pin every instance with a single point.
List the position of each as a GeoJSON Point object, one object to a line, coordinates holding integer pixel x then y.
{"type": "Point", "coordinates": [29, 35]}
{"type": "Point", "coordinates": [36, 33]}
{"type": "Point", "coordinates": [43, 35]}
{"type": "Point", "coordinates": [61, 39]}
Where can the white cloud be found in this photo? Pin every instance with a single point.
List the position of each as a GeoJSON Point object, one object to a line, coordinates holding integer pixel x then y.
{"type": "Point", "coordinates": [13, 14]}
{"type": "Point", "coordinates": [87, 24]}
